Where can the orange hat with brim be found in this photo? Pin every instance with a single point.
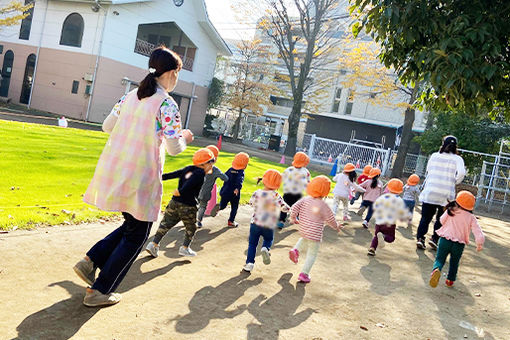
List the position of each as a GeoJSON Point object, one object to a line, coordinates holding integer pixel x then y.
{"type": "Point", "coordinates": [214, 150]}
{"type": "Point", "coordinates": [320, 186]}
{"type": "Point", "coordinates": [395, 186]}
{"type": "Point", "coordinates": [374, 172]}
{"type": "Point", "coordinates": [466, 200]}
{"type": "Point", "coordinates": [202, 156]}
{"type": "Point", "coordinates": [366, 170]}
{"type": "Point", "coordinates": [240, 161]}
{"type": "Point", "coordinates": [301, 159]}
{"type": "Point", "coordinates": [413, 179]}
{"type": "Point", "coordinates": [272, 179]}
{"type": "Point", "coordinates": [349, 167]}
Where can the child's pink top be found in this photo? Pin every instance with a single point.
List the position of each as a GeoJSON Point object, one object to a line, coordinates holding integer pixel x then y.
{"type": "Point", "coordinates": [312, 214]}
{"type": "Point", "coordinates": [372, 194]}
{"type": "Point", "coordinates": [457, 228]}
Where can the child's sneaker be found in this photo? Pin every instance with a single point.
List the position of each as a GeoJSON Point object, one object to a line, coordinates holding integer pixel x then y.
{"type": "Point", "coordinates": [153, 249]}
{"type": "Point", "coordinates": [304, 278]}
{"type": "Point", "coordinates": [214, 210]}
{"type": "Point", "coordinates": [434, 277]}
{"type": "Point", "coordinates": [85, 271]}
{"type": "Point", "coordinates": [449, 283]}
{"type": "Point", "coordinates": [364, 224]}
{"type": "Point", "coordinates": [248, 267]}
{"type": "Point", "coordinates": [233, 224]}
{"type": "Point", "coordinates": [371, 251]}
{"type": "Point", "coordinates": [94, 298]}
{"type": "Point", "coordinates": [420, 244]}
{"type": "Point", "coordinates": [266, 256]}
{"type": "Point", "coordinates": [347, 218]}
{"type": "Point", "coordinates": [433, 244]}
{"type": "Point", "coordinates": [199, 224]}
{"type": "Point", "coordinates": [280, 225]}
{"type": "Point", "coordinates": [380, 238]}
{"type": "Point", "coordinates": [294, 255]}
{"type": "Point", "coordinates": [186, 251]}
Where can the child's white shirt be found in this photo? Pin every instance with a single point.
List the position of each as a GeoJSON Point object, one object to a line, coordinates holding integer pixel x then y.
{"type": "Point", "coordinates": [344, 186]}
{"type": "Point", "coordinates": [295, 180]}
{"type": "Point", "coordinates": [389, 208]}
{"type": "Point", "coordinates": [267, 205]}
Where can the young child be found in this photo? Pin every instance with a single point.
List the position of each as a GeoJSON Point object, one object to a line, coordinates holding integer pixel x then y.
{"type": "Point", "coordinates": [267, 204]}
{"type": "Point", "coordinates": [205, 192]}
{"type": "Point", "coordinates": [183, 206]}
{"type": "Point", "coordinates": [457, 222]}
{"type": "Point", "coordinates": [411, 195]}
{"type": "Point", "coordinates": [345, 182]}
{"type": "Point", "coordinates": [361, 179]}
{"type": "Point", "coordinates": [388, 208]}
{"type": "Point", "coordinates": [374, 188]}
{"type": "Point", "coordinates": [231, 191]}
{"type": "Point", "coordinates": [295, 179]}
{"type": "Point", "coordinates": [311, 213]}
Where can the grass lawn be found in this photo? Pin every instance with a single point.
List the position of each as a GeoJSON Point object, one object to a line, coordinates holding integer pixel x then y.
{"type": "Point", "coordinates": [44, 171]}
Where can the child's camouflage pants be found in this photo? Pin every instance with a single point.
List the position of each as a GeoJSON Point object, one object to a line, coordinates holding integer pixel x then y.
{"type": "Point", "coordinates": [174, 213]}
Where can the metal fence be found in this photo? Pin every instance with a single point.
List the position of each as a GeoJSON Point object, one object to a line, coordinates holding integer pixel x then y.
{"type": "Point", "coordinates": [494, 187]}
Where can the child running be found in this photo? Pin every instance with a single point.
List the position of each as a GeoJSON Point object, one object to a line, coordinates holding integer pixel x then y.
{"type": "Point", "coordinates": [311, 213]}
{"type": "Point", "coordinates": [267, 204]}
{"type": "Point", "coordinates": [388, 208]}
{"type": "Point", "coordinates": [231, 191]}
{"type": "Point", "coordinates": [374, 188]}
{"type": "Point", "coordinates": [205, 192]}
{"type": "Point", "coordinates": [361, 179]}
{"type": "Point", "coordinates": [295, 180]}
{"type": "Point", "coordinates": [457, 222]}
{"type": "Point", "coordinates": [411, 195]}
{"type": "Point", "coordinates": [183, 206]}
{"type": "Point", "coordinates": [345, 183]}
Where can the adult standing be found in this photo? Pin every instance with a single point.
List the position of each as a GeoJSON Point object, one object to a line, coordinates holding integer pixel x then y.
{"type": "Point", "coordinates": [445, 169]}
{"type": "Point", "coordinates": [128, 174]}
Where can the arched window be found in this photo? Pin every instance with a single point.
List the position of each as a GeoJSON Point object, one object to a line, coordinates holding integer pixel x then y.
{"type": "Point", "coordinates": [72, 30]}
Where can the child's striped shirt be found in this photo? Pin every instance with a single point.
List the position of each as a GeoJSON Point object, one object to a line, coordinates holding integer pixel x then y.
{"type": "Point", "coordinates": [312, 214]}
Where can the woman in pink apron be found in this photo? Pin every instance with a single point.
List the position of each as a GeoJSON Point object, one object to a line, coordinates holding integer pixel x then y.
{"type": "Point", "coordinates": [128, 174]}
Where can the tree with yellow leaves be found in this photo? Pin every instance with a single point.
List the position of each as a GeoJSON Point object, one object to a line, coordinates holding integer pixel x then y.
{"type": "Point", "coordinates": [12, 13]}
{"type": "Point", "coordinates": [368, 78]}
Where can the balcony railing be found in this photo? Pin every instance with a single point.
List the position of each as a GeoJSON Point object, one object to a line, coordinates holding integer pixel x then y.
{"type": "Point", "coordinates": [145, 48]}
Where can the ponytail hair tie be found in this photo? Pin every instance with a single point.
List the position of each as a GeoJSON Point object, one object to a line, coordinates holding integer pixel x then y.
{"type": "Point", "coordinates": [152, 70]}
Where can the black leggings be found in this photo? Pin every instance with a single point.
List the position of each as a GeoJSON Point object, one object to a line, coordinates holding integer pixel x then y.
{"type": "Point", "coordinates": [427, 213]}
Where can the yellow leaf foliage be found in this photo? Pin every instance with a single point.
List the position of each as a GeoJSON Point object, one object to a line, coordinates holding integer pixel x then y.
{"type": "Point", "coordinates": [13, 13]}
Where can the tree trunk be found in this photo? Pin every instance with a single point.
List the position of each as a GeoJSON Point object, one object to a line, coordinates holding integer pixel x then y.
{"type": "Point", "coordinates": [237, 126]}
{"type": "Point", "coordinates": [294, 118]}
{"type": "Point", "coordinates": [405, 142]}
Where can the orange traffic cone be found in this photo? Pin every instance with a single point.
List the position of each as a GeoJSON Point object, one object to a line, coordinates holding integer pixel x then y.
{"type": "Point", "coordinates": [330, 159]}
{"type": "Point", "coordinates": [218, 145]}
{"type": "Point", "coordinates": [282, 161]}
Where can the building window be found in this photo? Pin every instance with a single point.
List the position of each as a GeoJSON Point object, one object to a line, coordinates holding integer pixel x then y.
{"type": "Point", "coordinates": [26, 24]}
{"type": "Point", "coordinates": [76, 85]}
{"type": "Point", "coordinates": [72, 30]}
{"type": "Point", "coordinates": [336, 100]}
{"type": "Point", "coordinates": [278, 101]}
{"type": "Point", "coordinates": [350, 103]}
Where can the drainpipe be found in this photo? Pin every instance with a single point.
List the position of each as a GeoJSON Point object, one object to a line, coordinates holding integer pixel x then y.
{"type": "Point", "coordinates": [189, 106]}
{"type": "Point", "coordinates": [97, 61]}
{"type": "Point", "coordinates": [37, 54]}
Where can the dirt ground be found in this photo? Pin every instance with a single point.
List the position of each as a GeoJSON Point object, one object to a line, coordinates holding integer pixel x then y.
{"type": "Point", "coordinates": [351, 296]}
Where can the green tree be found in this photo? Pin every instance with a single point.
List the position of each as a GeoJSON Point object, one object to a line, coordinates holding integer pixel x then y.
{"type": "Point", "coordinates": [460, 48]}
{"type": "Point", "coordinates": [216, 93]}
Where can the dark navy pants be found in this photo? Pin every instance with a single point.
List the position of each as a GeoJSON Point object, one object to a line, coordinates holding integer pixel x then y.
{"type": "Point", "coordinates": [115, 254]}
{"type": "Point", "coordinates": [234, 204]}
{"type": "Point", "coordinates": [255, 233]}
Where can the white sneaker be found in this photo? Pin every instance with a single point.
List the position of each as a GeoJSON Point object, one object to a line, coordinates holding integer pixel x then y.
{"type": "Point", "coordinates": [186, 251]}
{"type": "Point", "coordinates": [96, 299]}
{"type": "Point", "coordinates": [266, 256]}
{"type": "Point", "coordinates": [364, 224]}
{"type": "Point", "coordinates": [153, 249]}
{"type": "Point", "coordinates": [248, 267]}
{"type": "Point", "coordinates": [380, 238]}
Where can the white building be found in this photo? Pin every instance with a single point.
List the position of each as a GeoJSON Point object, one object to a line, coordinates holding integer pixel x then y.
{"type": "Point", "coordinates": [78, 57]}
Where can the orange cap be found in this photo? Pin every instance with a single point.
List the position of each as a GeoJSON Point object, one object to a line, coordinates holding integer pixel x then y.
{"type": "Point", "coordinates": [466, 200]}
{"type": "Point", "coordinates": [395, 186]}
{"type": "Point", "coordinates": [366, 170]}
{"type": "Point", "coordinates": [272, 179]}
{"type": "Point", "coordinates": [349, 167]}
{"type": "Point", "coordinates": [240, 161]}
{"type": "Point", "coordinates": [413, 179]}
{"type": "Point", "coordinates": [320, 186]}
{"type": "Point", "coordinates": [214, 150]}
{"type": "Point", "coordinates": [202, 156]}
{"type": "Point", "coordinates": [301, 159]}
{"type": "Point", "coordinates": [374, 172]}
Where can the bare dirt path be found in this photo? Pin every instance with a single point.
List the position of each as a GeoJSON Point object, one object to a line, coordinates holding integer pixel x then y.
{"type": "Point", "coordinates": [351, 296]}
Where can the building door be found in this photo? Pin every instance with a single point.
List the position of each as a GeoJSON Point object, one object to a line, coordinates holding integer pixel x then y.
{"type": "Point", "coordinates": [27, 80]}
{"type": "Point", "coordinates": [6, 73]}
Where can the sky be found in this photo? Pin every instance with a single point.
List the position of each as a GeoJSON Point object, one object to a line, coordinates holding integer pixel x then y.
{"type": "Point", "coordinates": [224, 19]}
